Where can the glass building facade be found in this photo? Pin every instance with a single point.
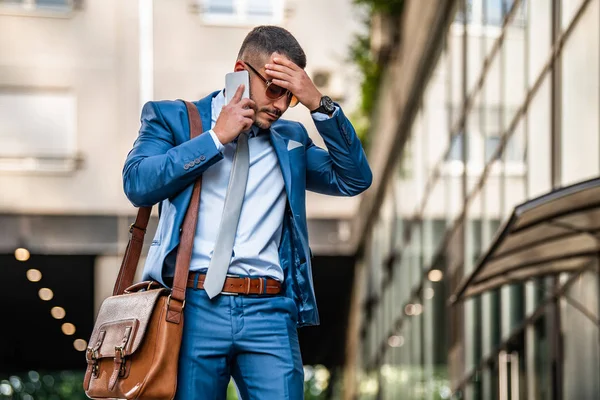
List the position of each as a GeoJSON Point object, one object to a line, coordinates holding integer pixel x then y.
{"type": "Point", "coordinates": [510, 113]}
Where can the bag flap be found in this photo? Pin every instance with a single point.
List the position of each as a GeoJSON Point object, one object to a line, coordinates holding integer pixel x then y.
{"type": "Point", "coordinates": [122, 321]}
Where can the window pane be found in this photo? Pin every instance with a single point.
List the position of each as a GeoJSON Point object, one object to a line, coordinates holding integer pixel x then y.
{"type": "Point", "coordinates": [538, 359]}
{"type": "Point", "coordinates": [513, 80]}
{"type": "Point", "coordinates": [52, 3]}
{"type": "Point", "coordinates": [538, 36]}
{"type": "Point", "coordinates": [260, 8]}
{"type": "Point", "coordinates": [513, 180]}
{"type": "Point", "coordinates": [475, 141]}
{"type": "Point", "coordinates": [476, 52]}
{"type": "Point", "coordinates": [220, 6]}
{"type": "Point", "coordinates": [494, 12]}
{"type": "Point", "coordinates": [456, 147]}
{"type": "Point", "coordinates": [568, 10]}
{"type": "Point", "coordinates": [538, 138]}
{"type": "Point", "coordinates": [455, 73]}
{"type": "Point", "coordinates": [462, 14]}
{"type": "Point", "coordinates": [435, 114]}
{"type": "Point", "coordinates": [581, 338]}
{"type": "Point", "coordinates": [580, 88]}
{"type": "Point", "coordinates": [37, 124]}
{"type": "Point", "coordinates": [491, 145]}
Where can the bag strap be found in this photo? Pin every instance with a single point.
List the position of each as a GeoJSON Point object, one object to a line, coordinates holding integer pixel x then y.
{"type": "Point", "coordinates": [133, 251]}
{"type": "Point", "coordinates": [184, 253]}
{"type": "Point", "coordinates": [186, 242]}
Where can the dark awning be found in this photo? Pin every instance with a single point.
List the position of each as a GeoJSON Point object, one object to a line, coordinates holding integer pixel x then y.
{"type": "Point", "coordinates": [557, 232]}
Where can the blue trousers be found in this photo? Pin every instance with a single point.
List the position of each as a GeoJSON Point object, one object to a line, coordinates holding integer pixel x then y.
{"type": "Point", "coordinates": [252, 339]}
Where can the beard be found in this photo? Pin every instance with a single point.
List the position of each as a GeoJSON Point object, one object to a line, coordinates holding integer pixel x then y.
{"type": "Point", "coordinates": [273, 111]}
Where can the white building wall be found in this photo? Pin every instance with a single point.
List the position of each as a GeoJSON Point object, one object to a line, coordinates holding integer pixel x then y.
{"type": "Point", "coordinates": [92, 54]}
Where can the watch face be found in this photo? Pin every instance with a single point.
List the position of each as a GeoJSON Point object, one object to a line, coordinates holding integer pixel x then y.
{"type": "Point", "coordinates": [328, 104]}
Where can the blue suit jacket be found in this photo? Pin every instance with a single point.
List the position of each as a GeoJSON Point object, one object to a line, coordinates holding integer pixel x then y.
{"type": "Point", "coordinates": [164, 163]}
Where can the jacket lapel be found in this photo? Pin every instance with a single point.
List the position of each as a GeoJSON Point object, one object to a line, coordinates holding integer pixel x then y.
{"type": "Point", "coordinates": [280, 146]}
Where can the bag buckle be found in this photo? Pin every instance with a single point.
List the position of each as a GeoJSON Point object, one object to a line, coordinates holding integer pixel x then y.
{"type": "Point", "coordinates": [91, 354]}
{"type": "Point", "coordinates": [120, 359]}
{"type": "Point", "coordinates": [169, 302]}
{"type": "Point", "coordinates": [92, 358]}
{"type": "Point", "coordinates": [120, 370]}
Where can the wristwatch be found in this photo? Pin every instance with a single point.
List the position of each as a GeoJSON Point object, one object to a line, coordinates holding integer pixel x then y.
{"type": "Point", "coordinates": [326, 106]}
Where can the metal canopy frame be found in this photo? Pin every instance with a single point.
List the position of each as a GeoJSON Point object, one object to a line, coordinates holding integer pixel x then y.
{"type": "Point", "coordinates": [554, 233]}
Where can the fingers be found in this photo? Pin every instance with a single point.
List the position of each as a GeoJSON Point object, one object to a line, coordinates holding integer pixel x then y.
{"type": "Point", "coordinates": [247, 103]}
{"type": "Point", "coordinates": [282, 83]}
{"type": "Point", "coordinates": [269, 68]}
{"type": "Point", "coordinates": [249, 112]}
{"type": "Point", "coordinates": [286, 62]}
{"type": "Point", "coordinates": [238, 94]}
{"type": "Point", "coordinates": [277, 74]}
{"type": "Point", "coordinates": [247, 124]}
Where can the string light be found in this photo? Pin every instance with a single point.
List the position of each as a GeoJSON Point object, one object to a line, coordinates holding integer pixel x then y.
{"type": "Point", "coordinates": [80, 344]}
{"type": "Point", "coordinates": [22, 254]}
{"type": "Point", "coordinates": [68, 328]}
{"type": "Point", "coordinates": [45, 294]}
{"type": "Point", "coordinates": [396, 341]}
{"type": "Point", "coordinates": [58, 312]}
{"type": "Point", "coordinates": [429, 293]}
{"type": "Point", "coordinates": [435, 275]}
{"type": "Point", "coordinates": [34, 275]}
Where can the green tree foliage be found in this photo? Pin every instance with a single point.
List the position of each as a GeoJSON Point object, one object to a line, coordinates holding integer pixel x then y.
{"type": "Point", "coordinates": [370, 70]}
{"type": "Point", "coordinates": [391, 7]}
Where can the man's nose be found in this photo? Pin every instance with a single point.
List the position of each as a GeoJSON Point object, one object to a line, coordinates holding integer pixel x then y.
{"type": "Point", "coordinates": [281, 104]}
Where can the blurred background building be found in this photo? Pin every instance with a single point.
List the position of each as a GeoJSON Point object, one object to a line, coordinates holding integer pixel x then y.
{"type": "Point", "coordinates": [482, 105]}
{"type": "Point", "coordinates": [468, 271]}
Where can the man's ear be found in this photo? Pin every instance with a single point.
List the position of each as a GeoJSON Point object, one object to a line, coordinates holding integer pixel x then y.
{"type": "Point", "coordinates": [239, 66]}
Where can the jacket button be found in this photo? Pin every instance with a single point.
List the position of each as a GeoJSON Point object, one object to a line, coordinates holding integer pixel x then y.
{"type": "Point", "coordinates": [202, 158]}
{"type": "Point", "coordinates": [197, 161]}
{"type": "Point", "coordinates": [186, 167]}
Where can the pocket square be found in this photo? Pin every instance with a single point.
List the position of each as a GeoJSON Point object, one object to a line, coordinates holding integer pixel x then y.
{"type": "Point", "coordinates": [292, 144]}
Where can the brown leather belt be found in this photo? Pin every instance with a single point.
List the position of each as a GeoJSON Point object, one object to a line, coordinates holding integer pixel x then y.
{"type": "Point", "coordinates": [239, 284]}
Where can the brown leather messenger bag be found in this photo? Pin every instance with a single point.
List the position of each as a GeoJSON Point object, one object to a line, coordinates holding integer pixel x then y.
{"type": "Point", "coordinates": [134, 348]}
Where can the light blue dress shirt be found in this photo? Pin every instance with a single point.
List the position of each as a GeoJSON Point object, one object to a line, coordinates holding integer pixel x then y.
{"type": "Point", "coordinates": [256, 245]}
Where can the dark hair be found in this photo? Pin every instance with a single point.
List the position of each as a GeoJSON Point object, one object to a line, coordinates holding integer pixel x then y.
{"type": "Point", "coordinates": [269, 39]}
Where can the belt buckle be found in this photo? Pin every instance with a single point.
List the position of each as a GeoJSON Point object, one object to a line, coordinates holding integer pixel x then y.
{"type": "Point", "coordinates": [230, 293]}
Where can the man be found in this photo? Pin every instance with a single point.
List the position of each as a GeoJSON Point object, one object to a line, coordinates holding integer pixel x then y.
{"type": "Point", "coordinates": [251, 338]}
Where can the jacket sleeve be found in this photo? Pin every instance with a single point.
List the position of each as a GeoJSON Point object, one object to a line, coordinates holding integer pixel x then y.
{"type": "Point", "coordinates": [156, 168]}
{"type": "Point", "coordinates": [343, 169]}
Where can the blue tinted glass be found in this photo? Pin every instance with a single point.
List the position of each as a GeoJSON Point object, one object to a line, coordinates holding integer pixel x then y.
{"type": "Point", "coordinates": [460, 14]}
{"type": "Point", "coordinates": [260, 7]}
{"type": "Point", "coordinates": [220, 6]}
{"type": "Point", "coordinates": [493, 12]}
{"type": "Point", "coordinates": [456, 148]}
{"type": "Point", "coordinates": [491, 145]}
{"type": "Point", "coordinates": [52, 3]}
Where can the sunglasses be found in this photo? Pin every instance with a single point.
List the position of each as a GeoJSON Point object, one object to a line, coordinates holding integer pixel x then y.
{"type": "Point", "coordinates": [273, 91]}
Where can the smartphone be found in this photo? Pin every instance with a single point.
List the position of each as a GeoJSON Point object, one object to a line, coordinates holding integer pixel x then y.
{"type": "Point", "coordinates": [233, 80]}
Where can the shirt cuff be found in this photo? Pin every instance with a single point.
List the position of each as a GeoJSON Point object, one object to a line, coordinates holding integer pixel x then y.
{"type": "Point", "coordinates": [323, 117]}
{"type": "Point", "coordinates": [215, 139]}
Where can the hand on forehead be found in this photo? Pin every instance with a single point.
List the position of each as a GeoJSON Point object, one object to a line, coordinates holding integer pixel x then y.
{"type": "Point", "coordinates": [271, 59]}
